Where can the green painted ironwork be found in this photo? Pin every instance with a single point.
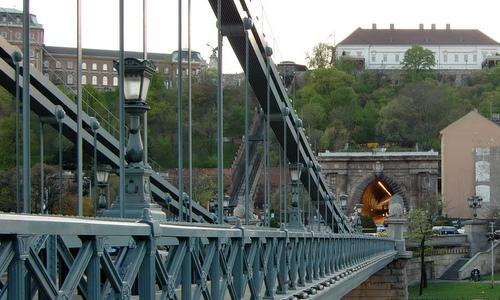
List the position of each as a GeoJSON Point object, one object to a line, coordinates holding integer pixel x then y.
{"type": "Point", "coordinates": [106, 259]}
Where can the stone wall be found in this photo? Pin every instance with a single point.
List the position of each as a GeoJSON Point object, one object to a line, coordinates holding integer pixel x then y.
{"type": "Point", "coordinates": [482, 261]}
{"type": "Point", "coordinates": [388, 283]}
{"type": "Point", "coordinates": [436, 263]}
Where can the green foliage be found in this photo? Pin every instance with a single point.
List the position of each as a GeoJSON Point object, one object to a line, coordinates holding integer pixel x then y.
{"type": "Point", "coordinates": [456, 290]}
{"type": "Point", "coordinates": [418, 63]}
{"type": "Point", "coordinates": [322, 56]}
{"type": "Point", "coordinates": [418, 112]}
{"type": "Point", "coordinates": [419, 227]}
{"type": "Point", "coordinates": [367, 224]}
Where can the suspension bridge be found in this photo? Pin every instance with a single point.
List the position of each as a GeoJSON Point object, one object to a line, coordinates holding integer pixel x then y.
{"type": "Point", "coordinates": [140, 254]}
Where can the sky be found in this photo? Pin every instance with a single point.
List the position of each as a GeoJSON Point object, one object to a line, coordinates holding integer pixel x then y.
{"type": "Point", "coordinates": [291, 27]}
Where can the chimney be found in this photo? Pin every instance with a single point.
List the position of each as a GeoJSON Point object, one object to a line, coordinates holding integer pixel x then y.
{"type": "Point", "coordinates": [374, 26]}
{"type": "Point", "coordinates": [448, 27]}
{"type": "Point", "coordinates": [421, 26]}
{"type": "Point", "coordinates": [433, 26]}
{"type": "Point", "coordinates": [391, 26]}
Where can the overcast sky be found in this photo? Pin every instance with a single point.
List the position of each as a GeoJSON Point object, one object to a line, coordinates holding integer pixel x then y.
{"type": "Point", "coordinates": [292, 27]}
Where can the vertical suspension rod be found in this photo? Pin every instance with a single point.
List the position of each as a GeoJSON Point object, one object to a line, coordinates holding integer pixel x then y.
{"type": "Point", "coordinates": [180, 135]}
{"type": "Point", "coordinates": [190, 117]}
{"type": "Point", "coordinates": [121, 78]}
{"type": "Point", "coordinates": [79, 147]}
{"type": "Point", "coordinates": [267, 140]}
{"type": "Point", "coordinates": [247, 24]}
{"type": "Point", "coordinates": [26, 109]}
{"type": "Point", "coordinates": [220, 132]}
{"type": "Point", "coordinates": [145, 56]}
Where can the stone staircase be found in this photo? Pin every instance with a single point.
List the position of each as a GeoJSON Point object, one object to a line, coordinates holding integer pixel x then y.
{"type": "Point", "coordinates": [452, 272]}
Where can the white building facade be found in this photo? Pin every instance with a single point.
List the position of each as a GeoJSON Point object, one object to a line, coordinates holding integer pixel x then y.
{"type": "Point", "coordinates": [454, 49]}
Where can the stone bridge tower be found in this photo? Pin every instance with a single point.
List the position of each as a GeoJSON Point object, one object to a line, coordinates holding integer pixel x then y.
{"type": "Point", "coordinates": [370, 179]}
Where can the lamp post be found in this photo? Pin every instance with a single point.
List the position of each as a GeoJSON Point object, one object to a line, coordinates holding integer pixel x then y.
{"type": "Point", "coordinates": [475, 203]}
{"type": "Point", "coordinates": [137, 77]}
{"type": "Point", "coordinates": [295, 216]}
{"type": "Point", "coordinates": [60, 114]}
{"type": "Point", "coordinates": [101, 178]}
{"type": "Point", "coordinates": [343, 201]}
{"type": "Point", "coordinates": [17, 57]}
{"type": "Point", "coordinates": [317, 169]}
{"type": "Point", "coordinates": [94, 126]}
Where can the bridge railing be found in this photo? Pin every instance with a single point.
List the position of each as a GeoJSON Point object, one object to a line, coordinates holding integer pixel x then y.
{"type": "Point", "coordinates": [57, 257]}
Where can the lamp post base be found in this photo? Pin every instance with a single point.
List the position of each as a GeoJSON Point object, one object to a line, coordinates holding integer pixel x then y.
{"type": "Point", "coordinates": [295, 220]}
{"type": "Point", "coordinates": [137, 196]}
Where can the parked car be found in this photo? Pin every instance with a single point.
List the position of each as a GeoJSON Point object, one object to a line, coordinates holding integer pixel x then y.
{"type": "Point", "coordinates": [496, 234]}
{"type": "Point", "coordinates": [380, 228]}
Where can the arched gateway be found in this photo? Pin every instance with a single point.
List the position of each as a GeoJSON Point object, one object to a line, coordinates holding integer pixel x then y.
{"type": "Point", "coordinates": [370, 179]}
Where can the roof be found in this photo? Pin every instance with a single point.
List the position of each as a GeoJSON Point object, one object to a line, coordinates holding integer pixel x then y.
{"type": "Point", "coordinates": [54, 50]}
{"type": "Point", "coordinates": [10, 10]}
{"type": "Point", "coordinates": [474, 117]}
{"type": "Point", "coordinates": [418, 36]}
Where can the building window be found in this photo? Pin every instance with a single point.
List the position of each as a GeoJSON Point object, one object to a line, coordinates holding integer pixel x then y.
{"type": "Point", "coordinates": [69, 65]}
{"type": "Point", "coordinates": [373, 58]}
{"type": "Point", "coordinates": [445, 57]}
{"type": "Point", "coordinates": [396, 57]}
{"type": "Point", "coordinates": [32, 36]}
{"type": "Point", "coordinates": [94, 66]}
{"type": "Point", "coordinates": [32, 53]}
{"type": "Point", "coordinates": [84, 66]}
{"type": "Point", "coordinates": [94, 80]}
{"type": "Point", "coordinates": [456, 57]}
{"type": "Point", "coordinates": [46, 64]}
{"type": "Point", "coordinates": [115, 81]}
{"type": "Point", "coordinates": [18, 35]}
{"type": "Point", "coordinates": [466, 58]}
{"type": "Point", "coordinates": [4, 34]}
{"type": "Point", "coordinates": [359, 54]}
{"type": "Point", "coordinates": [69, 79]}
{"type": "Point", "coordinates": [84, 79]}
{"type": "Point", "coordinates": [18, 20]}
{"type": "Point", "coordinates": [58, 64]}
{"type": "Point", "coordinates": [165, 71]}
{"type": "Point", "coordinates": [385, 58]}
{"type": "Point", "coordinates": [104, 67]}
{"type": "Point", "coordinates": [474, 58]}
{"type": "Point", "coordinates": [105, 80]}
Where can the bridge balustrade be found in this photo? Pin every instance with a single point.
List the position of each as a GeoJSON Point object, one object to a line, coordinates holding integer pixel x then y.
{"type": "Point", "coordinates": [57, 257]}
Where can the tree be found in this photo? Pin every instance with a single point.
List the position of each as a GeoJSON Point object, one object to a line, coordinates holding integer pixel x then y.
{"type": "Point", "coordinates": [322, 56]}
{"type": "Point", "coordinates": [418, 112]}
{"type": "Point", "coordinates": [418, 63]}
{"type": "Point", "coordinates": [420, 230]}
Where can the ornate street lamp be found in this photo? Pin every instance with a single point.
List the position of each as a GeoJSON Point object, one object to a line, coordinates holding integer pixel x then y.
{"type": "Point", "coordinates": [343, 201]}
{"type": "Point", "coordinates": [102, 177]}
{"type": "Point", "coordinates": [295, 216]}
{"type": "Point", "coordinates": [138, 74]}
{"type": "Point", "coordinates": [475, 203]}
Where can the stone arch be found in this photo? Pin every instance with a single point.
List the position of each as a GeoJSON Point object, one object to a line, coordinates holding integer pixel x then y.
{"type": "Point", "coordinates": [362, 184]}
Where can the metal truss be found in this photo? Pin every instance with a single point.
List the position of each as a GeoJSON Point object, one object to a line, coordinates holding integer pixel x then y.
{"type": "Point", "coordinates": [45, 257]}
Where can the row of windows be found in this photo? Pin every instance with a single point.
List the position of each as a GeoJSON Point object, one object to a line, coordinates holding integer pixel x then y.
{"type": "Point", "coordinates": [18, 36]}
{"type": "Point", "coordinates": [69, 65]}
{"type": "Point", "coordinates": [93, 80]}
{"type": "Point", "coordinates": [466, 57]}
{"type": "Point", "coordinates": [94, 67]}
{"type": "Point", "coordinates": [456, 58]}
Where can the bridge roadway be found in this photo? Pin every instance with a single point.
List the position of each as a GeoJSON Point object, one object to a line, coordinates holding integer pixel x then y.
{"type": "Point", "coordinates": [103, 259]}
